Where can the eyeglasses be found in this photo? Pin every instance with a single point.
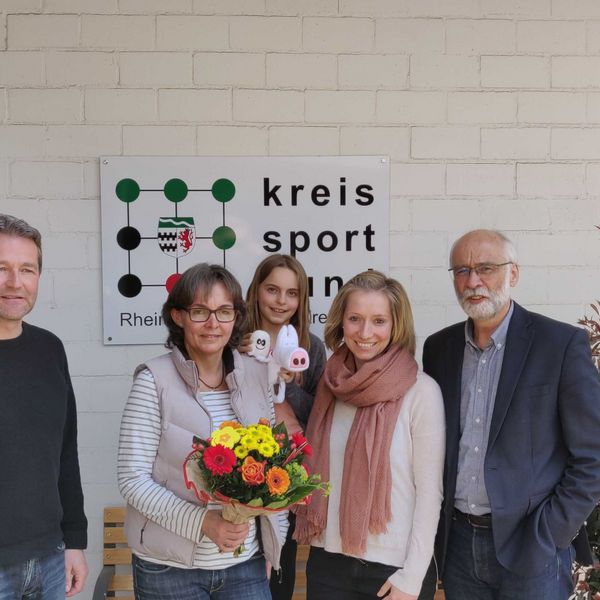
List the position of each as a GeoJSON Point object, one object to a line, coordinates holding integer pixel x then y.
{"type": "Point", "coordinates": [200, 314]}
{"type": "Point", "coordinates": [484, 270]}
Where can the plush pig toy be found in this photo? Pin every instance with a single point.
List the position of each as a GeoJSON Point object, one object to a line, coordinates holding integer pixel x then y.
{"type": "Point", "coordinates": [286, 354]}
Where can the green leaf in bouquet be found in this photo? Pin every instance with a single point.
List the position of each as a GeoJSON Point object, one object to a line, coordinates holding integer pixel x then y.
{"type": "Point", "coordinates": [256, 502]}
{"type": "Point", "coordinates": [280, 428]}
{"type": "Point", "coordinates": [300, 493]}
{"type": "Point", "coordinates": [278, 504]}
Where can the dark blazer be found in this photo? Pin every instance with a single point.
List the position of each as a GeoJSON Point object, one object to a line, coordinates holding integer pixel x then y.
{"type": "Point", "coordinates": [542, 466]}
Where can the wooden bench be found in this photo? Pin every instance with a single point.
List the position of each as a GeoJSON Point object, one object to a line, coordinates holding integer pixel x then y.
{"type": "Point", "coordinates": [115, 579]}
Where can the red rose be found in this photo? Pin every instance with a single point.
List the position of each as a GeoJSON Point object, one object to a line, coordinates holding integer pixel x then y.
{"type": "Point", "coordinates": [219, 460]}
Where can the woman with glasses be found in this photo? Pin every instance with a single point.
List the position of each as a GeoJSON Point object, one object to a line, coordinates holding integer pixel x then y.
{"type": "Point", "coordinates": [181, 548]}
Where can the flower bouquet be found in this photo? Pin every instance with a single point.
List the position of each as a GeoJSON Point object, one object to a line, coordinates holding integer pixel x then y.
{"type": "Point", "coordinates": [251, 470]}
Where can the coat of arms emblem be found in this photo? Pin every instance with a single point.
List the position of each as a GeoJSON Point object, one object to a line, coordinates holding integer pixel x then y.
{"type": "Point", "coordinates": [176, 235]}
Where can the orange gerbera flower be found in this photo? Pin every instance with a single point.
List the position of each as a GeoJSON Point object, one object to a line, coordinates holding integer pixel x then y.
{"type": "Point", "coordinates": [278, 481]}
{"type": "Point", "coordinates": [233, 424]}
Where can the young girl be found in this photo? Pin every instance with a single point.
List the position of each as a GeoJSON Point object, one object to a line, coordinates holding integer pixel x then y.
{"type": "Point", "coordinates": [277, 296]}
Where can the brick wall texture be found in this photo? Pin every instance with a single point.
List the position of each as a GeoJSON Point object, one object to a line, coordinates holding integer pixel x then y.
{"type": "Point", "coordinates": [489, 111]}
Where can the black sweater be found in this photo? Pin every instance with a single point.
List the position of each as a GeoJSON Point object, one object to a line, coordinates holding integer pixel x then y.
{"type": "Point", "coordinates": [41, 502]}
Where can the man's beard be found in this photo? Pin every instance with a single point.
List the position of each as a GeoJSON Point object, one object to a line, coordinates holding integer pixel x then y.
{"type": "Point", "coordinates": [489, 308]}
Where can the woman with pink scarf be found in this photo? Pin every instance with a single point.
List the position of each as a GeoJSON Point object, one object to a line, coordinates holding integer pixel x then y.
{"type": "Point", "coordinates": [378, 434]}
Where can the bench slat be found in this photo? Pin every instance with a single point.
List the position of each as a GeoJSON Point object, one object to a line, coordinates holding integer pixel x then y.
{"type": "Point", "coordinates": [114, 514]}
{"type": "Point", "coordinates": [117, 556]}
{"type": "Point", "coordinates": [120, 583]}
{"type": "Point", "coordinates": [114, 535]}
{"type": "Point", "coordinates": [302, 554]}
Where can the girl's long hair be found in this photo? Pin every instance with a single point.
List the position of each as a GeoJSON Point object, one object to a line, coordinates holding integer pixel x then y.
{"type": "Point", "coordinates": [301, 318]}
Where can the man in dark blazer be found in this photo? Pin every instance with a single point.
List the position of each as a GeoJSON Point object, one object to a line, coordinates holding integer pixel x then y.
{"type": "Point", "coordinates": [522, 400]}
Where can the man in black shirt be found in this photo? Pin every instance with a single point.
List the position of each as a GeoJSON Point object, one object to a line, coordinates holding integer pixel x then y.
{"type": "Point", "coordinates": [44, 529]}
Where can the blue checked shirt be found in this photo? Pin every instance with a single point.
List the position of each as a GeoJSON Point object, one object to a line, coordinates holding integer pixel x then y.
{"type": "Point", "coordinates": [480, 375]}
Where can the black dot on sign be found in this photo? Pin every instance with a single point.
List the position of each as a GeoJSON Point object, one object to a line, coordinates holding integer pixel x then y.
{"type": "Point", "coordinates": [130, 285]}
{"type": "Point", "coordinates": [128, 238]}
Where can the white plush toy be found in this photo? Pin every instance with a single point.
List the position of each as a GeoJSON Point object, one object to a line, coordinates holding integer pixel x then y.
{"type": "Point", "coordinates": [261, 345]}
{"type": "Point", "coordinates": [286, 354]}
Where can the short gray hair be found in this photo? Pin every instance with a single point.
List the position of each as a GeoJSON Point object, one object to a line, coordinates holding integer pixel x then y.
{"type": "Point", "coordinates": [10, 225]}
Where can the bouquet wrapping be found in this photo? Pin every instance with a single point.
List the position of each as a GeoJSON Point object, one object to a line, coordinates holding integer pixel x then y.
{"type": "Point", "coordinates": [251, 471]}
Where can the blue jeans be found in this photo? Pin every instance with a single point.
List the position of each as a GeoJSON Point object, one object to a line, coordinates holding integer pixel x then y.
{"type": "Point", "coordinates": [472, 571]}
{"type": "Point", "coordinates": [36, 579]}
{"type": "Point", "coordinates": [246, 581]}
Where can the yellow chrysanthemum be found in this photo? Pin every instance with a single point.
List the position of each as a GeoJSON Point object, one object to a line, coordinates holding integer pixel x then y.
{"type": "Point", "coordinates": [241, 451]}
{"type": "Point", "coordinates": [251, 444]}
{"type": "Point", "coordinates": [266, 450]}
{"type": "Point", "coordinates": [227, 437]}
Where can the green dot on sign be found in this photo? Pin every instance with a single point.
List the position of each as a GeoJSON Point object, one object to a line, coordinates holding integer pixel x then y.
{"type": "Point", "coordinates": [223, 237]}
{"type": "Point", "coordinates": [223, 190]}
{"type": "Point", "coordinates": [127, 190]}
{"type": "Point", "coordinates": [175, 190]}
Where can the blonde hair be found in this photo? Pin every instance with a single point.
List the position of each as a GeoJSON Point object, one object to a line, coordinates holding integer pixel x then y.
{"type": "Point", "coordinates": [403, 328]}
{"type": "Point", "coordinates": [301, 318]}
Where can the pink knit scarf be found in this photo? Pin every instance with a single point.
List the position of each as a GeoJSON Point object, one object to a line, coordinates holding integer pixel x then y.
{"type": "Point", "coordinates": [376, 389]}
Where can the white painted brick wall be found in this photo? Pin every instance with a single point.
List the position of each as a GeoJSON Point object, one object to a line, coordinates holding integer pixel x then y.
{"type": "Point", "coordinates": [552, 107]}
{"type": "Point", "coordinates": [338, 35]}
{"type": "Point", "coordinates": [393, 141]}
{"type": "Point", "coordinates": [268, 105]}
{"type": "Point", "coordinates": [194, 106]}
{"type": "Point", "coordinates": [510, 142]}
{"type": "Point", "coordinates": [193, 33]}
{"type": "Point", "coordinates": [302, 71]}
{"type": "Point", "coordinates": [81, 68]}
{"type": "Point", "coordinates": [515, 72]}
{"type": "Point", "coordinates": [21, 68]}
{"type": "Point", "coordinates": [445, 142]}
{"type": "Point", "coordinates": [409, 35]}
{"type": "Point", "coordinates": [147, 69]}
{"type": "Point", "coordinates": [482, 107]}
{"type": "Point", "coordinates": [48, 105]}
{"type": "Point", "coordinates": [411, 108]}
{"type": "Point", "coordinates": [443, 71]}
{"type": "Point", "coordinates": [82, 6]}
{"type": "Point", "coordinates": [282, 34]}
{"type": "Point", "coordinates": [231, 68]}
{"type": "Point", "coordinates": [224, 140]}
{"type": "Point", "coordinates": [551, 37]}
{"type": "Point", "coordinates": [576, 72]}
{"type": "Point", "coordinates": [119, 32]}
{"type": "Point", "coordinates": [42, 31]}
{"type": "Point", "coordinates": [178, 140]}
{"type": "Point", "coordinates": [47, 180]}
{"type": "Point", "coordinates": [489, 111]}
{"type": "Point", "coordinates": [480, 180]}
{"type": "Point", "coordinates": [287, 141]}
{"type": "Point", "coordinates": [340, 106]}
{"type": "Point", "coordinates": [480, 36]}
{"type": "Point", "coordinates": [368, 72]}
{"type": "Point", "coordinates": [120, 105]}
